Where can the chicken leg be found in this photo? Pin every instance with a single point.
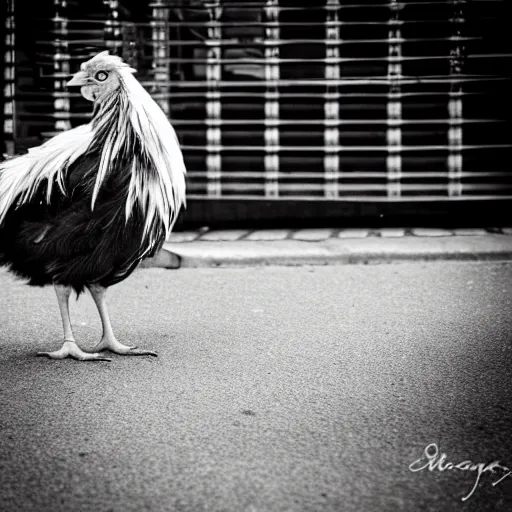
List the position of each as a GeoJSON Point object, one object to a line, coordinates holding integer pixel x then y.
{"type": "Point", "coordinates": [108, 340]}
{"type": "Point", "coordinates": [69, 348]}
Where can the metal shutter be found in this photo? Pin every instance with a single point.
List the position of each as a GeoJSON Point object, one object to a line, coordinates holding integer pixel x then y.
{"type": "Point", "coordinates": [313, 100]}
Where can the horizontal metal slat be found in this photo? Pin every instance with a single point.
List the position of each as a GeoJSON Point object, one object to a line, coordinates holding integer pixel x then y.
{"type": "Point", "coordinates": [350, 175]}
{"type": "Point", "coordinates": [358, 148]}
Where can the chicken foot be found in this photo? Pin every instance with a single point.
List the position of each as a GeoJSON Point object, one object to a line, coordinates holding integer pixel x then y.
{"type": "Point", "coordinates": [69, 347]}
{"type": "Point", "coordinates": [108, 340]}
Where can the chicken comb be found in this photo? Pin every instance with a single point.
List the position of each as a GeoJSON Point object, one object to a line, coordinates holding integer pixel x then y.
{"type": "Point", "coordinates": [106, 60]}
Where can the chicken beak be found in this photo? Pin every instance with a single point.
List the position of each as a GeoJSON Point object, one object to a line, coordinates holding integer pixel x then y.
{"type": "Point", "coordinates": [78, 79]}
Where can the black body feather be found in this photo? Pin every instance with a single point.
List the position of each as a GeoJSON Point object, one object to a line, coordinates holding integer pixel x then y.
{"type": "Point", "coordinates": [64, 241]}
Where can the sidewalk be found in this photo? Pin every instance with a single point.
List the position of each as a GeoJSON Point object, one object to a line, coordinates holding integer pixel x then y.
{"type": "Point", "coordinates": [239, 248]}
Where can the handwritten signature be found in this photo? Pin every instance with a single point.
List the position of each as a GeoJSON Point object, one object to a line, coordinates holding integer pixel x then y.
{"type": "Point", "coordinates": [432, 459]}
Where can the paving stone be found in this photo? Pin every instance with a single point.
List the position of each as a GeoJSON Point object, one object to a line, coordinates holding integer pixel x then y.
{"type": "Point", "coordinates": [268, 234]}
{"type": "Point", "coordinates": [354, 233]}
{"type": "Point", "coordinates": [313, 234]}
{"type": "Point", "coordinates": [470, 231]}
{"type": "Point", "coordinates": [223, 235]}
{"type": "Point", "coordinates": [431, 232]}
{"type": "Point", "coordinates": [163, 259]}
{"type": "Point", "coordinates": [392, 232]}
{"type": "Point", "coordinates": [185, 236]}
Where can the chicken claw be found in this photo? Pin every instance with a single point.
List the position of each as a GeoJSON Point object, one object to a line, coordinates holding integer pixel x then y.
{"type": "Point", "coordinates": [71, 349]}
{"type": "Point", "coordinates": [117, 347]}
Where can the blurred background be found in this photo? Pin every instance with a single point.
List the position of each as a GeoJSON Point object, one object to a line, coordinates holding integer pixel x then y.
{"type": "Point", "coordinates": [292, 113]}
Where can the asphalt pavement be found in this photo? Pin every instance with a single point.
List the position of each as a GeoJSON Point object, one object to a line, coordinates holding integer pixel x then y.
{"type": "Point", "coordinates": [276, 389]}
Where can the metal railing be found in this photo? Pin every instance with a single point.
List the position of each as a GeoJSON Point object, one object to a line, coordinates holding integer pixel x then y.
{"type": "Point", "coordinates": [382, 101]}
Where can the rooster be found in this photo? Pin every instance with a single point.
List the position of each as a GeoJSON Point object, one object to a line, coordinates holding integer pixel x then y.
{"type": "Point", "coordinates": [82, 210]}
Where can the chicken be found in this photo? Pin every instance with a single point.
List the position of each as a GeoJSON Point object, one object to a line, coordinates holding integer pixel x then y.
{"type": "Point", "coordinates": [82, 210]}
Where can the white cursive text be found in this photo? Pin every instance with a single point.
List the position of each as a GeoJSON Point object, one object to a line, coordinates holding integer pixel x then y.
{"type": "Point", "coordinates": [432, 459]}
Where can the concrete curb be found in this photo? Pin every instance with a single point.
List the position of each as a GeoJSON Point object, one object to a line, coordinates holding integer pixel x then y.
{"type": "Point", "coordinates": [332, 251]}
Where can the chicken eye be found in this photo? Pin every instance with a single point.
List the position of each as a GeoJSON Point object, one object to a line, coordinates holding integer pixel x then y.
{"type": "Point", "coordinates": [101, 76]}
